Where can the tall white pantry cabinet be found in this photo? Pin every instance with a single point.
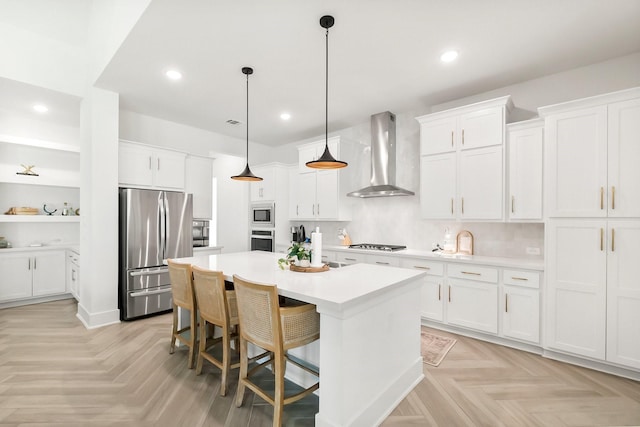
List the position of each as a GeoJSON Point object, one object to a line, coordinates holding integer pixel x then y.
{"type": "Point", "coordinates": [592, 188]}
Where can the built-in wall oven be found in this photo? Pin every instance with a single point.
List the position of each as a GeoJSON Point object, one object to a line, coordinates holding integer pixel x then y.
{"type": "Point", "coordinates": [263, 215]}
{"type": "Point", "coordinates": [262, 240]}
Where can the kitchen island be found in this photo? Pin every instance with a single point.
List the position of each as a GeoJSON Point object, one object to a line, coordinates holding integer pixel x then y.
{"type": "Point", "coordinates": [369, 347]}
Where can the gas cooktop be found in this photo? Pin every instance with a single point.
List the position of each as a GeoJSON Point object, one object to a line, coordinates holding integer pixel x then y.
{"type": "Point", "coordinates": [378, 247]}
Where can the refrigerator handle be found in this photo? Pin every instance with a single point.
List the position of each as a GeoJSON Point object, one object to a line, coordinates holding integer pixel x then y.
{"type": "Point", "coordinates": [161, 225]}
{"type": "Point", "coordinates": [167, 224]}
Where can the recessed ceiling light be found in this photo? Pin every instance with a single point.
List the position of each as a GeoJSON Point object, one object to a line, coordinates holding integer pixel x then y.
{"type": "Point", "coordinates": [449, 56]}
{"type": "Point", "coordinates": [285, 116]}
{"type": "Point", "coordinates": [40, 108]}
{"type": "Point", "coordinates": [174, 74]}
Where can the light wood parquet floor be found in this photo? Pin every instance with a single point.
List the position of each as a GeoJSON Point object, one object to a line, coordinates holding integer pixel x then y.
{"type": "Point", "coordinates": [54, 372]}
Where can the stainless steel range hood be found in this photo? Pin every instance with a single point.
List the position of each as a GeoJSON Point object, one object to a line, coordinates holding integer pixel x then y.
{"type": "Point", "coordinates": [383, 159]}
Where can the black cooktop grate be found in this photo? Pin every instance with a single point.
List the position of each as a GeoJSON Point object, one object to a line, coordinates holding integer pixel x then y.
{"type": "Point", "coordinates": [378, 247]}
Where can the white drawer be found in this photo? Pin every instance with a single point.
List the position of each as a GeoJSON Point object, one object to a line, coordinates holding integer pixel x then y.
{"type": "Point", "coordinates": [328, 256]}
{"type": "Point", "coordinates": [432, 268]}
{"type": "Point", "coordinates": [473, 272]}
{"type": "Point", "coordinates": [383, 260]}
{"type": "Point", "coordinates": [529, 279]}
{"type": "Point", "coordinates": [348, 258]}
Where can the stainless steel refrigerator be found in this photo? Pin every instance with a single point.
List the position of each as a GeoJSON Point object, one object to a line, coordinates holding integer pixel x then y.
{"type": "Point", "coordinates": [154, 226]}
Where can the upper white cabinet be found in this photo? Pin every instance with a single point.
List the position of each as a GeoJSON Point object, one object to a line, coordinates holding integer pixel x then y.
{"type": "Point", "coordinates": [274, 181]}
{"type": "Point", "coordinates": [525, 179]}
{"type": "Point", "coordinates": [199, 182]}
{"type": "Point", "coordinates": [146, 166]}
{"type": "Point", "coordinates": [462, 151]}
{"type": "Point", "coordinates": [591, 156]}
{"type": "Point", "coordinates": [320, 194]}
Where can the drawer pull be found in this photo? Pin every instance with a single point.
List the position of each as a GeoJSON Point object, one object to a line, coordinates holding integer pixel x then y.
{"type": "Point", "coordinates": [421, 267]}
{"type": "Point", "coordinates": [472, 273]}
{"type": "Point", "coordinates": [519, 278]}
{"type": "Point", "coordinates": [382, 263]}
{"type": "Point", "coordinates": [350, 259]}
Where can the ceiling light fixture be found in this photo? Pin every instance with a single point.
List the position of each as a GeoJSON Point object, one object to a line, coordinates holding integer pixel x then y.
{"type": "Point", "coordinates": [246, 174]}
{"type": "Point", "coordinates": [40, 108]}
{"type": "Point", "coordinates": [173, 74]}
{"type": "Point", "coordinates": [326, 161]}
{"type": "Point", "coordinates": [285, 116]}
{"type": "Point", "coordinates": [449, 56]}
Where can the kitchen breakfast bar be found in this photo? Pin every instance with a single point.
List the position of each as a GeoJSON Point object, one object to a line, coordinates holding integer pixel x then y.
{"type": "Point", "coordinates": [369, 347]}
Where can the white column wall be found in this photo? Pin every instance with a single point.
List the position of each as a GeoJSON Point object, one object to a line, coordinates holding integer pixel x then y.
{"type": "Point", "coordinates": [98, 305]}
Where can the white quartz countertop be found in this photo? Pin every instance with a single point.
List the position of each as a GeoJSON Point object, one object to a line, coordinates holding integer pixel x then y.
{"type": "Point", "coordinates": [45, 247]}
{"type": "Point", "coordinates": [333, 291]}
{"type": "Point", "coordinates": [524, 263]}
{"type": "Point", "coordinates": [207, 248]}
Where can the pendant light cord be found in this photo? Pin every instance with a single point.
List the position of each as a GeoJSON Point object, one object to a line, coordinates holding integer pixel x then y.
{"type": "Point", "coordinates": [326, 95]}
{"type": "Point", "coordinates": [247, 119]}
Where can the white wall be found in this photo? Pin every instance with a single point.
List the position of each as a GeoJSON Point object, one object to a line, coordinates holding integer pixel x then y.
{"type": "Point", "coordinates": [233, 204]}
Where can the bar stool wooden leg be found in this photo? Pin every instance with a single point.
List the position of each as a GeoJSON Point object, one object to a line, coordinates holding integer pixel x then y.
{"type": "Point", "coordinates": [174, 330]}
{"type": "Point", "coordinates": [202, 346]}
{"type": "Point", "coordinates": [278, 398]}
{"type": "Point", "coordinates": [244, 364]}
{"type": "Point", "coordinates": [192, 337]}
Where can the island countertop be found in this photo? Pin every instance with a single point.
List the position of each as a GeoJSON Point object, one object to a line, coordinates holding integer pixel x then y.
{"type": "Point", "coordinates": [335, 290]}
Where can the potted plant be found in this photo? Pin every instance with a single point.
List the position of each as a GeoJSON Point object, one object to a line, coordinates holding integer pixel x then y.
{"type": "Point", "coordinates": [298, 254]}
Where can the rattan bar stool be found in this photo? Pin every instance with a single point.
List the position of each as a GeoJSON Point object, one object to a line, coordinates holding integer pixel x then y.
{"type": "Point", "coordinates": [276, 329]}
{"type": "Point", "coordinates": [182, 295]}
{"type": "Point", "coordinates": [217, 306]}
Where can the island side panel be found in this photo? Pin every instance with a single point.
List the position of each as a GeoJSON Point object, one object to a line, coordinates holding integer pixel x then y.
{"type": "Point", "coordinates": [370, 358]}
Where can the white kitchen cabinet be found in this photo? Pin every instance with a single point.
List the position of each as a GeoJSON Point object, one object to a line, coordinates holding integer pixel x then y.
{"type": "Point", "coordinates": [432, 294]}
{"type": "Point", "coordinates": [320, 194]}
{"type": "Point", "coordinates": [438, 186]}
{"type": "Point", "coordinates": [146, 166]}
{"type": "Point", "coordinates": [199, 182]}
{"type": "Point", "coordinates": [328, 256]}
{"type": "Point", "coordinates": [576, 273]}
{"type": "Point", "coordinates": [520, 305]}
{"type": "Point", "coordinates": [480, 184]}
{"type": "Point", "coordinates": [462, 150]}
{"type": "Point", "coordinates": [525, 166]}
{"type": "Point", "coordinates": [472, 297]}
{"type": "Point", "coordinates": [265, 190]}
{"type": "Point", "coordinates": [591, 156]}
{"type": "Point", "coordinates": [32, 274]}
{"type": "Point", "coordinates": [623, 293]}
{"type": "Point", "coordinates": [73, 274]}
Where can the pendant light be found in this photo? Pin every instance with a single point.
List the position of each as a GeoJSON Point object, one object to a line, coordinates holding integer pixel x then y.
{"type": "Point", "coordinates": [326, 161]}
{"type": "Point", "coordinates": [246, 174]}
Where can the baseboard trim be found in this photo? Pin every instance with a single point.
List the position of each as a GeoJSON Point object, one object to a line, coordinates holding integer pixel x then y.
{"type": "Point", "coordinates": [97, 320]}
{"type": "Point", "coordinates": [592, 364]}
{"type": "Point", "coordinates": [36, 300]}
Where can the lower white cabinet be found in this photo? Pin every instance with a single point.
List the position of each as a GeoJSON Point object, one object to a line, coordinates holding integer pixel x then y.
{"type": "Point", "coordinates": [432, 295]}
{"type": "Point", "coordinates": [473, 304]}
{"type": "Point", "coordinates": [520, 305]}
{"type": "Point", "coordinates": [73, 274]}
{"type": "Point", "coordinates": [32, 274]}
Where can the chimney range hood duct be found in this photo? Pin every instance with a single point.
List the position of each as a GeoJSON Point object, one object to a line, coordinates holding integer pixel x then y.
{"type": "Point", "coordinates": [383, 159]}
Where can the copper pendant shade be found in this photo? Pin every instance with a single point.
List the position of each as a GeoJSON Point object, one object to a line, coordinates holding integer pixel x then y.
{"type": "Point", "coordinates": [246, 174]}
{"type": "Point", "coordinates": [326, 161]}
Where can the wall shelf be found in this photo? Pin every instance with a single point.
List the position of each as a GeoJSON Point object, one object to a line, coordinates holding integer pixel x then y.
{"type": "Point", "coordinates": [39, 218]}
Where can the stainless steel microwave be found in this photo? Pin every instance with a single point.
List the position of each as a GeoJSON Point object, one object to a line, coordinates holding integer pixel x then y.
{"type": "Point", "coordinates": [263, 215]}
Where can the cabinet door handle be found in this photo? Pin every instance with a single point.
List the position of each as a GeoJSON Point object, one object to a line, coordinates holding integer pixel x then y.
{"type": "Point", "coordinates": [382, 263]}
{"type": "Point", "coordinates": [452, 206]}
{"type": "Point", "coordinates": [449, 293]}
{"type": "Point", "coordinates": [158, 163]}
{"type": "Point", "coordinates": [462, 136]}
{"type": "Point", "coordinates": [439, 292]}
{"type": "Point", "coordinates": [313, 209]}
{"type": "Point", "coordinates": [452, 138]}
{"type": "Point", "coordinates": [35, 263]}
{"type": "Point", "coordinates": [472, 273]}
{"type": "Point", "coordinates": [602, 239]}
{"type": "Point", "coordinates": [613, 197]}
{"type": "Point", "coordinates": [613, 240]}
{"type": "Point", "coordinates": [29, 266]}
{"type": "Point", "coordinates": [601, 197]}
{"type": "Point", "coordinates": [73, 275]}
{"type": "Point", "coordinates": [519, 278]}
{"type": "Point", "coordinates": [149, 162]}
{"type": "Point", "coordinates": [318, 208]}
{"type": "Point", "coordinates": [506, 303]}
{"type": "Point", "coordinates": [462, 204]}
{"type": "Point", "coordinates": [421, 267]}
{"type": "Point", "coordinates": [297, 210]}
{"type": "Point", "coordinates": [513, 204]}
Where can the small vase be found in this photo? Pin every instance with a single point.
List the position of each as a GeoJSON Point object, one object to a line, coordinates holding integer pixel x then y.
{"type": "Point", "coordinates": [303, 263]}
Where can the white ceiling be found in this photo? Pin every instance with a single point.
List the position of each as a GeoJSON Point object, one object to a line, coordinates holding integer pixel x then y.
{"type": "Point", "coordinates": [383, 55]}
